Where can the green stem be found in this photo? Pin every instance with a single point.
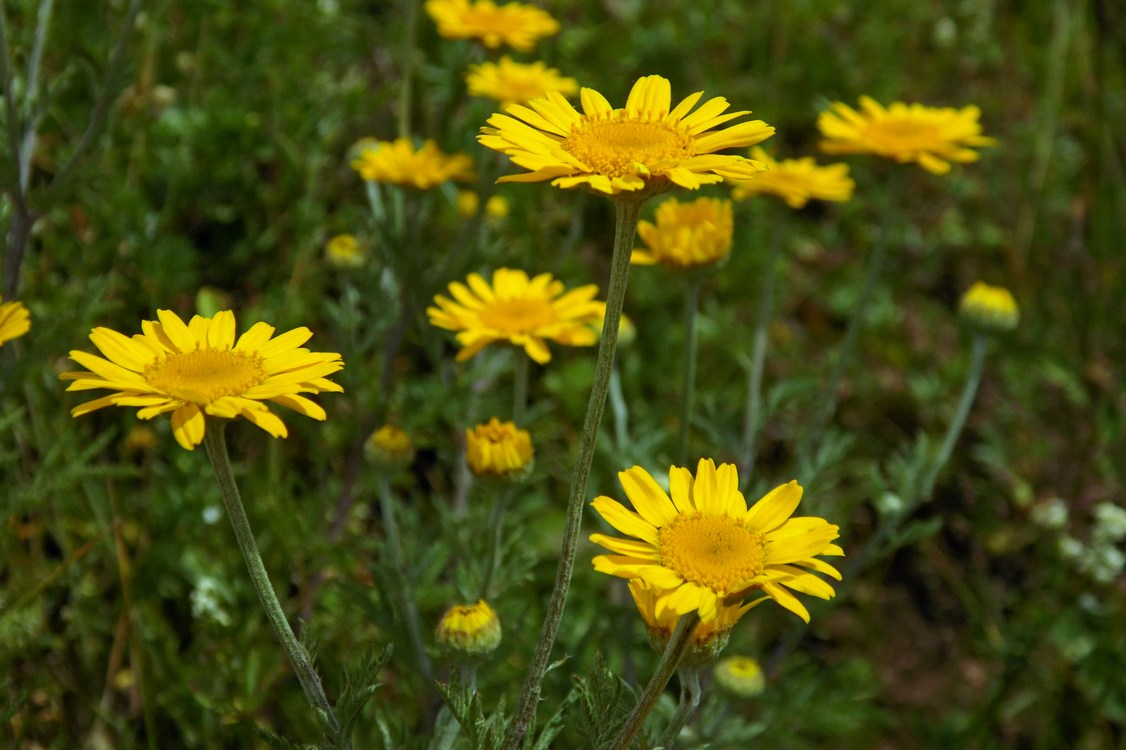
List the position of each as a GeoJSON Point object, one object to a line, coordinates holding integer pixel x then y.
{"type": "Point", "coordinates": [689, 702]}
{"type": "Point", "coordinates": [624, 229]}
{"type": "Point", "coordinates": [407, 609]}
{"type": "Point", "coordinates": [496, 523]}
{"type": "Point", "coordinates": [954, 431]}
{"type": "Point", "coordinates": [619, 409]}
{"type": "Point", "coordinates": [406, 79]}
{"type": "Point", "coordinates": [216, 443]}
{"type": "Point", "coordinates": [520, 387]}
{"type": "Point", "coordinates": [677, 646]}
{"type": "Point", "coordinates": [688, 367]}
{"type": "Point", "coordinates": [753, 422]}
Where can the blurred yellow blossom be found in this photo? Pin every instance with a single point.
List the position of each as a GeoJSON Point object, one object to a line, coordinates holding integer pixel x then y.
{"type": "Point", "coordinates": [512, 82]}
{"type": "Point", "coordinates": [517, 25]}
{"type": "Point", "coordinates": [796, 181]}
{"type": "Point", "coordinates": [498, 449]}
{"type": "Point", "coordinates": [398, 162]}
{"type": "Point", "coordinates": [15, 320]}
{"type": "Point", "coordinates": [687, 235]}
{"type": "Point", "coordinates": [345, 251]}
{"type": "Point", "coordinates": [989, 307]}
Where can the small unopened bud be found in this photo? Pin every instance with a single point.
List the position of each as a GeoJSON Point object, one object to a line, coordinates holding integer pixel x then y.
{"type": "Point", "coordinates": [469, 629]}
{"type": "Point", "coordinates": [390, 447]}
{"type": "Point", "coordinates": [989, 308]}
{"type": "Point", "coordinates": [741, 676]}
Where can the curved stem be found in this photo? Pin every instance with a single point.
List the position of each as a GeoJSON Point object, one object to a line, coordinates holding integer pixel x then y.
{"type": "Point", "coordinates": [677, 646]}
{"type": "Point", "coordinates": [216, 443]}
{"type": "Point", "coordinates": [407, 609]}
{"type": "Point", "coordinates": [954, 431]}
{"type": "Point", "coordinates": [624, 229]}
{"type": "Point", "coordinates": [689, 702]}
{"type": "Point", "coordinates": [753, 421]}
{"type": "Point", "coordinates": [688, 367]}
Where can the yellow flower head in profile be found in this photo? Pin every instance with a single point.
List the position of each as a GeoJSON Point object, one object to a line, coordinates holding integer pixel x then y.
{"type": "Point", "coordinates": [930, 136]}
{"type": "Point", "coordinates": [471, 629]}
{"type": "Point", "coordinates": [644, 148]}
{"type": "Point", "coordinates": [511, 82]}
{"type": "Point", "coordinates": [796, 181]}
{"type": "Point", "coordinates": [687, 235]}
{"type": "Point", "coordinates": [15, 320]}
{"type": "Point", "coordinates": [517, 310]}
{"type": "Point", "coordinates": [704, 550]}
{"type": "Point", "coordinates": [398, 162]}
{"type": "Point", "coordinates": [708, 641]}
{"type": "Point", "coordinates": [740, 676]}
{"type": "Point", "coordinates": [198, 369]}
{"type": "Point", "coordinates": [991, 308]}
{"type": "Point", "coordinates": [518, 25]}
{"type": "Point", "coordinates": [390, 446]}
{"type": "Point", "coordinates": [498, 449]}
{"type": "Point", "coordinates": [345, 251]}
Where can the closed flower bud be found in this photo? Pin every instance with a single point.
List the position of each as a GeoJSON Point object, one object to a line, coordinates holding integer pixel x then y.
{"type": "Point", "coordinates": [469, 629]}
{"type": "Point", "coordinates": [989, 308]}
{"type": "Point", "coordinates": [391, 447]}
{"type": "Point", "coordinates": [741, 676]}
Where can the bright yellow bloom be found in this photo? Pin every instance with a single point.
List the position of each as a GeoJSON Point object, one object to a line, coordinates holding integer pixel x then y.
{"type": "Point", "coordinates": [990, 307]}
{"type": "Point", "coordinates": [711, 636]}
{"type": "Point", "coordinates": [521, 311]}
{"type": "Point", "coordinates": [198, 368]}
{"type": "Point", "coordinates": [796, 181]}
{"type": "Point", "coordinates": [498, 449]}
{"type": "Point", "coordinates": [345, 251]}
{"type": "Point", "coordinates": [15, 320]}
{"type": "Point", "coordinates": [644, 148]}
{"type": "Point", "coordinates": [472, 629]}
{"type": "Point", "coordinates": [518, 25]}
{"type": "Point", "coordinates": [511, 82]}
{"type": "Point", "coordinates": [687, 235]}
{"type": "Point", "coordinates": [390, 446]}
{"type": "Point", "coordinates": [703, 549]}
{"type": "Point", "coordinates": [740, 675]}
{"type": "Point", "coordinates": [397, 162]}
{"type": "Point", "coordinates": [931, 136]}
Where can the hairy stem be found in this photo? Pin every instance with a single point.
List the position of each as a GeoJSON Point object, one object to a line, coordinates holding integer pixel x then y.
{"type": "Point", "coordinates": [688, 367]}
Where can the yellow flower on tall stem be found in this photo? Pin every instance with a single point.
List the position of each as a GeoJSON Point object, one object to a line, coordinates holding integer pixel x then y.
{"type": "Point", "coordinates": [687, 235]}
{"type": "Point", "coordinates": [511, 82]}
{"type": "Point", "coordinates": [930, 136]}
{"type": "Point", "coordinates": [399, 163]}
{"type": "Point", "coordinates": [198, 369]}
{"type": "Point", "coordinates": [796, 181]}
{"type": "Point", "coordinates": [644, 148]}
{"type": "Point", "coordinates": [15, 320]}
{"type": "Point", "coordinates": [515, 309]}
{"type": "Point", "coordinates": [704, 549]}
{"type": "Point", "coordinates": [517, 25]}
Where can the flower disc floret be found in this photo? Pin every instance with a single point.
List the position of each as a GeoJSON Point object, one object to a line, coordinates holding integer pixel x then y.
{"type": "Point", "coordinates": [646, 147]}
{"type": "Point", "coordinates": [932, 137]}
{"type": "Point", "coordinates": [517, 25]}
{"type": "Point", "coordinates": [704, 550]}
{"type": "Point", "coordinates": [197, 369]}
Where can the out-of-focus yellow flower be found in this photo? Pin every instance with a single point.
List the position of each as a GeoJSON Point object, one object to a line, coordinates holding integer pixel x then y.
{"type": "Point", "coordinates": [515, 309]}
{"type": "Point", "coordinates": [991, 308]}
{"type": "Point", "coordinates": [467, 203]}
{"type": "Point", "coordinates": [496, 207]}
{"type": "Point", "coordinates": [397, 162]}
{"type": "Point", "coordinates": [741, 676]}
{"type": "Point", "coordinates": [498, 449]}
{"type": "Point", "coordinates": [517, 25]}
{"type": "Point", "coordinates": [15, 320]}
{"type": "Point", "coordinates": [345, 251]}
{"type": "Point", "coordinates": [140, 439]}
{"type": "Point", "coordinates": [511, 82]}
{"type": "Point", "coordinates": [796, 181]}
{"type": "Point", "coordinates": [703, 549]}
{"type": "Point", "coordinates": [687, 235]}
{"type": "Point", "coordinates": [470, 629]}
{"type": "Point", "coordinates": [644, 148]}
{"type": "Point", "coordinates": [930, 136]}
{"type": "Point", "coordinates": [390, 446]}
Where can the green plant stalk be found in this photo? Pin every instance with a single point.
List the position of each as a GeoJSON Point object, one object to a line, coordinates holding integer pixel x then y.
{"type": "Point", "coordinates": [619, 409]}
{"type": "Point", "coordinates": [689, 701]}
{"type": "Point", "coordinates": [407, 609]}
{"type": "Point", "coordinates": [216, 444]}
{"type": "Point", "coordinates": [625, 226]}
{"type": "Point", "coordinates": [688, 367]}
{"type": "Point", "coordinates": [520, 387]}
{"type": "Point", "coordinates": [753, 421]}
{"type": "Point", "coordinates": [677, 646]}
{"type": "Point", "coordinates": [965, 403]}
{"type": "Point", "coordinates": [406, 78]}
{"type": "Point", "coordinates": [496, 523]}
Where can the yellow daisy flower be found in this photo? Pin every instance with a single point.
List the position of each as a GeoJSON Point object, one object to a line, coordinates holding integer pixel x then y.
{"type": "Point", "coordinates": [198, 368]}
{"type": "Point", "coordinates": [518, 25]}
{"type": "Point", "coordinates": [397, 162]}
{"type": "Point", "coordinates": [498, 449]}
{"type": "Point", "coordinates": [15, 320]}
{"type": "Point", "coordinates": [703, 549]}
{"type": "Point", "coordinates": [521, 311]}
{"type": "Point", "coordinates": [646, 147]}
{"type": "Point", "coordinates": [687, 235]}
{"type": "Point", "coordinates": [796, 181]}
{"type": "Point", "coordinates": [511, 82]}
{"type": "Point", "coordinates": [989, 307]}
{"type": "Point", "coordinates": [931, 136]}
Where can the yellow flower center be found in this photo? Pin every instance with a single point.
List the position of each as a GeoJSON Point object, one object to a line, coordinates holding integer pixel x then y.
{"type": "Point", "coordinates": [203, 375]}
{"type": "Point", "coordinates": [516, 316]}
{"type": "Point", "coordinates": [612, 144]}
{"type": "Point", "coordinates": [904, 134]}
{"type": "Point", "coordinates": [716, 552]}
